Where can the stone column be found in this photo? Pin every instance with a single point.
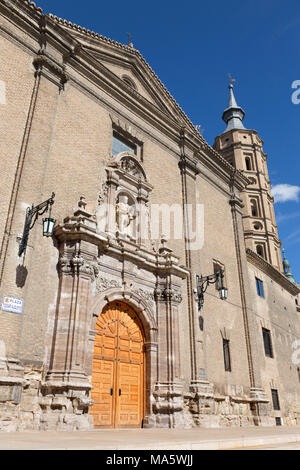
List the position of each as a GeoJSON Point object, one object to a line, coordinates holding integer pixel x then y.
{"type": "Point", "coordinates": [168, 391]}
{"type": "Point", "coordinates": [201, 390]}
{"type": "Point", "coordinates": [67, 386]}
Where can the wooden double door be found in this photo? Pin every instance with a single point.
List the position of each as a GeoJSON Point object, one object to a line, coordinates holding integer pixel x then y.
{"type": "Point", "coordinates": [118, 369]}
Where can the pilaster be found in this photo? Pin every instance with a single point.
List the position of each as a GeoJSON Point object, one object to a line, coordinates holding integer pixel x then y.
{"type": "Point", "coordinates": [259, 400]}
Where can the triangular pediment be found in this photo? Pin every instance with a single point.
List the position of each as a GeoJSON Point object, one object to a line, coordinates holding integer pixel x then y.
{"type": "Point", "coordinates": [131, 69]}
{"type": "Point", "coordinates": [129, 66]}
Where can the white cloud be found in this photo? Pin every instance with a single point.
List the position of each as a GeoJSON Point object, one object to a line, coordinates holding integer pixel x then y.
{"type": "Point", "coordinates": [285, 192]}
{"type": "Point", "coordinates": [283, 217]}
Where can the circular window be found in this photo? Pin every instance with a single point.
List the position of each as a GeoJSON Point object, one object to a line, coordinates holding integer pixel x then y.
{"type": "Point", "coordinates": [258, 226]}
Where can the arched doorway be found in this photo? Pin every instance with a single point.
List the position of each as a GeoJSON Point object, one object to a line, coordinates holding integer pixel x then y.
{"type": "Point", "coordinates": [118, 368]}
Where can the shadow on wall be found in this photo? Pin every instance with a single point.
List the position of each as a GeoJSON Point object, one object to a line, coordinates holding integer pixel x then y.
{"type": "Point", "coordinates": [21, 275]}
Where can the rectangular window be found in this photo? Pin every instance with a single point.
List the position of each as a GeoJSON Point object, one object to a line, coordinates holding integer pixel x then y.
{"type": "Point", "coordinates": [278, 421]}
{"type": "Point", "coordinates": [259, 287]}
{"type": "Point", "coordinates": [226, 352]}
{"type": "Point", "coordinates": [275, 399]}
{"type": "Point", "coordinates": [120, 144]}
{"type": "Point", "coordinates": [267, 342]}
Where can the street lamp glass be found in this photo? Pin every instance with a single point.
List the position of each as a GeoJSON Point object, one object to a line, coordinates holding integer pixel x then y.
{"type": "Point", "coordinates": [223, 293]}
{"type": "Point", "coordinates": [48, 226]}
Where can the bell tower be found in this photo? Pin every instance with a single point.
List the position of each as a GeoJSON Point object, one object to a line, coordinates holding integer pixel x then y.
{"type": "Point", "coordinates": [243, 148]}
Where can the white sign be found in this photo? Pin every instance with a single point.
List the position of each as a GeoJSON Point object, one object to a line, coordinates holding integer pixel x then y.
{"type": "Point", "coordinates": [12, 304]}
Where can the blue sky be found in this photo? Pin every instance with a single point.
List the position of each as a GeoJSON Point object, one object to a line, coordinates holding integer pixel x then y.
{"type": "Point", "coordinates": [192, 46]}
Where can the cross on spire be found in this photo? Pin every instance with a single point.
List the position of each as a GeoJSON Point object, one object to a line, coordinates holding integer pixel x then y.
{"type": "Point", "coordinates": [232, 80]}
{"type": "Point", "coordinates": [130, 43]}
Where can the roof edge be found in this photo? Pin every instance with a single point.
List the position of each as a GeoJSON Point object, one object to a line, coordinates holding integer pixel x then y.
{"type": "Point", "coordinates": [274, 274]}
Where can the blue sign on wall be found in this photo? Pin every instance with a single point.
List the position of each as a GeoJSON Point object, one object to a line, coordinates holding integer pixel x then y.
{"type": "Point", "coordinates": [12, 304]}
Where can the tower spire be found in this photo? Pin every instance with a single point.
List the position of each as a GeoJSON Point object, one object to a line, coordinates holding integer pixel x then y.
{"type": "Point", "coordinates": [243, 149]}
{"type": "Point", "coordinates": [287, 268]}
{"type": "Point", "coordinates": [234, 114]}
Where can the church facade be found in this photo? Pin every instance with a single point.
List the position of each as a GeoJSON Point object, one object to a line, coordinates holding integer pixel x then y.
{"type": "Point", "coordinates": [160, 299]}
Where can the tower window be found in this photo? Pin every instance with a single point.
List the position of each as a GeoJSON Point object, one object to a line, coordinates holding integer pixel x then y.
{"type": "Point", "coordinates": [248, 163]}
{"type": "Point", "coordinates": [254, 208]}
{"type": "Point", "coordinates": [260, 250]}
{"type": "Point", "coordinates": [267, 342]}
{"type": "Point", "coordinates": [226, 352]}
{"type": "Point", "coordinates": [259, 287]}
{"type": "Point", "coordinates": [275, 399]}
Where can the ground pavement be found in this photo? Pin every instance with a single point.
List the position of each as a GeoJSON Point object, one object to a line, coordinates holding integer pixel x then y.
{"type": "Point", "coordinates": [154, 439]}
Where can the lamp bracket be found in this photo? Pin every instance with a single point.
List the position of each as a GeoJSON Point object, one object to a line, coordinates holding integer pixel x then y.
{"type": "Point", "coordinates": [203, 282]}
{"type": "Point", "coordinates": [32, 214]}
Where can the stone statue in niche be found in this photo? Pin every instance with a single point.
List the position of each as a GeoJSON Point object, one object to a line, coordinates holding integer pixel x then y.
{"type": "Point", "coordinates": [125, 216]}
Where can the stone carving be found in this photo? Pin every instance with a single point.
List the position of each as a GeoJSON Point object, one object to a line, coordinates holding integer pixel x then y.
{"type": "Point", "coordinates": [89, 268]}
{"type": "Point", "coordinates": [130, 166]}
{"type": "Point", "coordinates": [64, 265]}
{"type": "Point", "coordinates": [146, 295]}
{"type": "Point", "coordinates": [77, 265]}
{"type": "Point", "coordinates": [168, 295]}
{"type": "Point", "coordinates": [103, 284]}
{"type": "Point", "coordinates": [103, 193]}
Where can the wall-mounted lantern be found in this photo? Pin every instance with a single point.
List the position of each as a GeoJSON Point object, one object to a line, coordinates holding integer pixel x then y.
{"type": "Point", "coordinates": [32, 214]}
{"type": "Point", "coordinates": [204, 282]}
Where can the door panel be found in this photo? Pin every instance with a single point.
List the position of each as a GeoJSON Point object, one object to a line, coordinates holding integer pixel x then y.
{"type": "Point", "coordinates": [103, 383]}
{"type": "Point", "coordinates": [118, 368]}
{"type": "Point", "coordinates": [129, 401]}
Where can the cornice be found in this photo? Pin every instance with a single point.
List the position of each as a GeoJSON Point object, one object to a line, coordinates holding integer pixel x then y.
{"type": "Point", "coordinates": [45, 66]}
{"type": "Point", "coordinates": [30, 6]}
{"type": "Point", "coordinates": [272, 272]}
{"type": "Point", "coordinates": [24, 14]}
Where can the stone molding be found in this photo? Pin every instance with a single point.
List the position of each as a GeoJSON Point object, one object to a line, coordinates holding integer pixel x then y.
{"type": "Point", "coordinates": [48, 68]}
{"type": "Point", "coordinates": [31, 6]}
{"type": "Point", "coordinates": [11, 380]}
{"type": "Point", "coordinates": [189, 166]}
{"type": "Point", "coordinates": [136, 301]}
{"type": "Point", "coordinates": [167, 295]}
{"type": "Point", "coordinates": [77, 265]}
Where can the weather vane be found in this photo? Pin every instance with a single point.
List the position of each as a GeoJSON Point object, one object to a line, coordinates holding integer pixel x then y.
{"type": "Point", "coordinates": [232, 80]}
